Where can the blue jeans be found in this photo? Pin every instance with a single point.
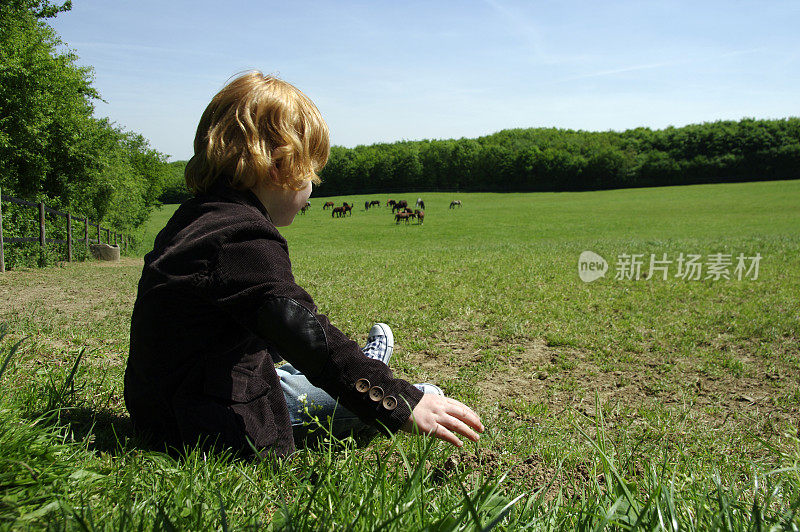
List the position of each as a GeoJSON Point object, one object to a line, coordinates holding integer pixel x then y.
{"type": "Point", "coordinates": [307, 402]}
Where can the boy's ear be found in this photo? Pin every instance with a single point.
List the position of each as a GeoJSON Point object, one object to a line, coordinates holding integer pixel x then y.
{"type": "Point", "coordinates": [274, 175]}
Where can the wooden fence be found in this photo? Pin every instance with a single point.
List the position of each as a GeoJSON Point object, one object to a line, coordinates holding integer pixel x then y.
{"type": "Point", "coordinates": [120, 239]}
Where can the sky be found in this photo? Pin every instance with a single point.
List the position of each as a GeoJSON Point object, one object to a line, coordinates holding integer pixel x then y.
{"type": "Point", "coordinates": [383, 71]}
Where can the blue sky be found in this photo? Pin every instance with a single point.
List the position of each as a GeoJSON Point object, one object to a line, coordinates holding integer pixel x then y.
{"type": "Point", "coordinates": [386, 71]}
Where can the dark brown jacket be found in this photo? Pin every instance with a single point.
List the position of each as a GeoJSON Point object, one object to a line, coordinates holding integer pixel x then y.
{"type": "Point", "coordinates": [216, 303]}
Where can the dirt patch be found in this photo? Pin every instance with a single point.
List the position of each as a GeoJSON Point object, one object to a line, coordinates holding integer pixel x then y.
{"type": "Point", "coordinates": [27, 288]}
{"type": "Point", "coordinates": [515, 374]}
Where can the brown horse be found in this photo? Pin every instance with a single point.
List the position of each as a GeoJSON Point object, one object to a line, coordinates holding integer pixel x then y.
{"type": "Point", "coordinates": [327, 204]}
{"type": "Point", "coordinates": [305, 207]}
{"type": "Point", "coordinates": [420, 215]}
{"type": "Point", "coordinates": [338, 212]}
{"type": "Point", "coordinates": [403, 216]}
{"type": "Point", "coordinates": [347, 209]}
{"type": "Point", "coordinates": [391, 203]}
{"type": "Point", "coordinates": [402, 204]}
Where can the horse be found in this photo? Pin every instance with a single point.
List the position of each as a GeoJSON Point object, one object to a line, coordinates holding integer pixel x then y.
{"type": "Point", "coordinates": [305, 207]}
{"type": "Point", "coordinates": [420, 216]}
{"type": "Point", "coordinates": [366, 205]}
{"type": "Point", "coordinates": [420, 204]}
{"type": "Point", "coordinates": [391, 203]}
{"type": "Point", "coordinates": [405, 216]}
{"type": "Point", "coordinates": [374, 203]}
{"type": "Point", "coordinates": [338, 212]}
{"type": "Point", "coordinates": [402, 204]}
{"type": "Point", "coordinates": [347, 209]}
{"type": "Point", "coordinates": [455, 203]}
{"type": "Point", "coordinates": [327, 204]}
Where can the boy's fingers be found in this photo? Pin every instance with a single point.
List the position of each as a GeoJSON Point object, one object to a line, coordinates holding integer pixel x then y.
{"type": "Point", "coordinates": [465, 414]}
{"type": "Point", "coordinates": [456, 425]}
{"type": "Point", "coordinates": [443, 434]}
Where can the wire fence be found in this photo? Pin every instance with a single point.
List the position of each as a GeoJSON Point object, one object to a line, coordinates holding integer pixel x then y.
{"type": "Point", "coordinates": [68, 233]}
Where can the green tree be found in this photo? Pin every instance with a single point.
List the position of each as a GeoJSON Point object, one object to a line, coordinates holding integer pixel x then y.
{"type": "Point", "coordinates": [51, 147]}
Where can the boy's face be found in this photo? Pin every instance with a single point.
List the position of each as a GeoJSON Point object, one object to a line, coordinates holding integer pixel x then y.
{"type": "Point", "coordinates": [282, 204]}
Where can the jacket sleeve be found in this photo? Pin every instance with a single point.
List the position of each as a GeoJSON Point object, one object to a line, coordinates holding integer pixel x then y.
{"type": "Point", "coordinates": [252, 280]}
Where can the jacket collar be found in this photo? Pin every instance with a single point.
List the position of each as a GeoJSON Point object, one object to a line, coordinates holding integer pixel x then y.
{"type": "Point", "coordinates": [222, 188]}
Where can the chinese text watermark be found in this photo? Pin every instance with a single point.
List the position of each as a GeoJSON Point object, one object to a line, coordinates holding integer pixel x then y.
{"type": "Point", "coordinates": [689, 267]}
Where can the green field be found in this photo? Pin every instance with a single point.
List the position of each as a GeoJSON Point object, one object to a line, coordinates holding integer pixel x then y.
{"type": "Point", "coordinates": [605, 402]}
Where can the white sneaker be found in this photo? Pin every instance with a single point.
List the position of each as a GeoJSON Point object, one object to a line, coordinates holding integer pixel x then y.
{"type": "Point", "coordinates": [429, 388]}
{"type": "Point", "coordinates": [380, 343]}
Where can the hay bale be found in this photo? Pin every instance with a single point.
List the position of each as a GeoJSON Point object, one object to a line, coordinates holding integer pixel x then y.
{"type": "Point", "coordinates": [105, 252]}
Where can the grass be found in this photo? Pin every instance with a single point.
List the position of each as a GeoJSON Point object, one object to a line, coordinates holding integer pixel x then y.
{"type": "Point", "coordinates": [152, 226]}
{"type": "Point", "coordinates": [619, 403]}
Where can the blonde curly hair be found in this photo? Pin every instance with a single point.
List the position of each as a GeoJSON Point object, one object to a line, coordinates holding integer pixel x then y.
{"type": "Point", "coordinates": [258, 128]}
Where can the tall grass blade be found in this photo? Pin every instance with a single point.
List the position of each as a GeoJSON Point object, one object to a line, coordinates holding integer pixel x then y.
{"type": "Point", "coordinates": [10, 355]}
{"type": "Point", "coordinates": [470, 506]}
{"type": "Point", "coordinates": [56, 398]}
{"type": "Point", "coordinates": [222, 513]}
{"type": "Point", "coordinates": [502, 515]}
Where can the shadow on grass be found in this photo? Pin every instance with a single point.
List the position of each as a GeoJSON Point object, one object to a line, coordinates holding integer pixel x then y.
{"type": "Point", "coordinates": [103, 432]}
{"type": "Point", "coordinates": [107, 432]}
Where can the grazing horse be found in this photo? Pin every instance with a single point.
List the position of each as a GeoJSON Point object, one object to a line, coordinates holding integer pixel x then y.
{"type": "Point", "coordinates": [366, 205]}
{"type": "Point", "coordinates": [404, 216]}
{"type": "Point", "coordinates": [420, 216]}
{"type": "Point", "coordinates": [402, 204]}
{"type": "Point", "coordinates": [327, 204]}
{"type": "Point", "coordinates": [305, 207]}
{"type": "Point", "coordinates": [420, 203]}
{"type": "Point", "coordinates": [455, 203]}
{"type": "Point", "coordinates": [391, 203]}
{"type": "Point", "coordinates": [338, 212]}
{"type": "Point", "coordinates": [374, 203]}
{"type": "Point", "coordinates": [347, 209]}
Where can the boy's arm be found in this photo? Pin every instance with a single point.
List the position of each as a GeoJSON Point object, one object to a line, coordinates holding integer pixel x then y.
{"type": "Point", "coordinates": [252, 279]}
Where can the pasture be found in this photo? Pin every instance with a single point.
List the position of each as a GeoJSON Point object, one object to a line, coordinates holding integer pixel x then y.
{"type": "Point", "coordinates": [618, 402]}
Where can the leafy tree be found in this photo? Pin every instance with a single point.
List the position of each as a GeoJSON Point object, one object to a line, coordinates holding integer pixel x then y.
{"type": "Point", "coordinates": [51, 147]}
{"type": "Point", "coordinates": [174, 190]}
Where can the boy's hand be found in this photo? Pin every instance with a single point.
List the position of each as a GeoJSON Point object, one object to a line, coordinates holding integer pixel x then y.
{"type": "Point", "coordinates": [438, 416]}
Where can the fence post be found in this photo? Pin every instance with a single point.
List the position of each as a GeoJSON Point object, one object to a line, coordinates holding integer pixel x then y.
{"type": "Point", "coordinates": [2, 256]}
{"type": "Point", "coordinates": [69, 237]}
{"type": "Point", "coordinates": [86, 231]}
{"type": "Point", "coordinates": [41, 225]}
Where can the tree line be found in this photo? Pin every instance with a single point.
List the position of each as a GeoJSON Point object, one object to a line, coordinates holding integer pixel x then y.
{"type": "Point", "coordinates": [558, 159]}
{"type": "Point", "coordinates": [52, 148]}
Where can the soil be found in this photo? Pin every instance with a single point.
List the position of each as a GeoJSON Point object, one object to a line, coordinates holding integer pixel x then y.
{"type": "Point", "coordinates": [537, 373]}
{"type": "Point", "coordinates": [64, 295]}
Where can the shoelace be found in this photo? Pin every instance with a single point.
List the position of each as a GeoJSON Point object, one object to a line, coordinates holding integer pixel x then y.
{"type": "Point", "coordinates": [376, 348]}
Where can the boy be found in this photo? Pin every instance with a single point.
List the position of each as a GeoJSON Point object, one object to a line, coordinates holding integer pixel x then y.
{"type": "Point", "coordinates": [217, 304]}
